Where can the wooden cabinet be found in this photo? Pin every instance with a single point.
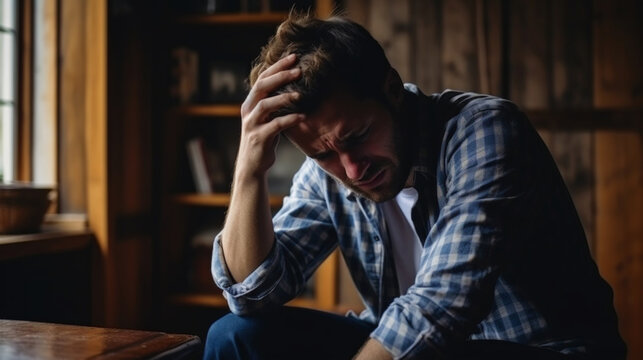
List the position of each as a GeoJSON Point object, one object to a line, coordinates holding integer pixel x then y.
{"type": "Point", "coordinates": [208, 58]}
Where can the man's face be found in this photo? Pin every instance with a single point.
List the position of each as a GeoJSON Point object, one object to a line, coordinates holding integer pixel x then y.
{"type": "Point", "coordinates": [357, 142]}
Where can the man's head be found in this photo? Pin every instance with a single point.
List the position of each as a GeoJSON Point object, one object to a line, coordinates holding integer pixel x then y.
{"type": "Point", "coordinates": [332, 54]}
{"type": "Point", "coordinates": [352, 99]}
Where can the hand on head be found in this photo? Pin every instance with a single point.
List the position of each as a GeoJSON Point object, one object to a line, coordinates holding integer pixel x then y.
{"type": "Point", "coordinates": [259, 130]}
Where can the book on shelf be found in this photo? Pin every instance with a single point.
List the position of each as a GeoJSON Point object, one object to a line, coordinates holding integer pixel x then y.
{"type": "Point", "coordinates": [207, 166]}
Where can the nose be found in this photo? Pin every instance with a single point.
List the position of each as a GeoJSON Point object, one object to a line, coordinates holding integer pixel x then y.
{"type": "Point", "coordinates": [354, 166]}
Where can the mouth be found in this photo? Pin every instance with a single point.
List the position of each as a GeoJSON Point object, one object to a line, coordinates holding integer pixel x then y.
{"type": "Point", "coordinates": [373, 181]}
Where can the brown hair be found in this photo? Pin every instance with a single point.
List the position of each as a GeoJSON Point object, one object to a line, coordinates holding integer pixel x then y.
{"type": "Point", "coordinates": [333, 54]}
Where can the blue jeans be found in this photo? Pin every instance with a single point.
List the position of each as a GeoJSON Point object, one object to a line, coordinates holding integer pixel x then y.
{"type": "Point", "coordinates": [294, 333]}
{"type": "Point", "coordinates": [286, 333]}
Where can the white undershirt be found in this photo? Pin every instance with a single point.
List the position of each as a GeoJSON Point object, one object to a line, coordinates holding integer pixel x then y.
{"type": "Point", "coordinates": [405, 242]}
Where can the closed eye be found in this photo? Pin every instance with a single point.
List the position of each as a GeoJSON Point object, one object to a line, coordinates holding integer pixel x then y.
{"type": "Point", "coordinates": [358, 138]}
{"type": "Point", "coordinates": [321, 156]}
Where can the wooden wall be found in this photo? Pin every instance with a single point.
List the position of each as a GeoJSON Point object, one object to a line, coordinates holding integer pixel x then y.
{"type": "Point", "coordinates": [618, 82]}
{"type": "Point", "coordinates": [559, 60]}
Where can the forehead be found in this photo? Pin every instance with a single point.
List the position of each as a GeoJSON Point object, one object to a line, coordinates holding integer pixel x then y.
{"type": "Point", "coordinates": [336, 117]}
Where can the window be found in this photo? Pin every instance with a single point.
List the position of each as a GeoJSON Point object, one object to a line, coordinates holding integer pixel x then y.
{"type": "Point", "coordinates": [43, 75]}
{"type": "Point", "coordinates": [8, 86]}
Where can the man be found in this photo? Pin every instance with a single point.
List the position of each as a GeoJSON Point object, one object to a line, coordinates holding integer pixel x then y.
{"type": "Point", "coordinates": [450, 213]}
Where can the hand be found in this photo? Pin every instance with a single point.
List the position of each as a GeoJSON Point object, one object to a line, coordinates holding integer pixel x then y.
{"type": "Point", "coordinates": [260, 132]}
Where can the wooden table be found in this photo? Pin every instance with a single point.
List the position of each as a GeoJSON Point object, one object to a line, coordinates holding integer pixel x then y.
{"type": "Point", "coordinates": [34, 340]}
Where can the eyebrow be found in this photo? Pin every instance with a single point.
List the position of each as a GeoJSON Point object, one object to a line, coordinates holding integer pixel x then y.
{"type": "Point", "coordinates": [343, 139]}
{"type": "Point", "coordinates": [355, 133]}
{"type": "Point", "coordinates": [340, 139]}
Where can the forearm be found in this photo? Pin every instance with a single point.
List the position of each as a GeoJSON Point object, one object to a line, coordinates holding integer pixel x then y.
{"type": "Point", "coordinates": [248, 234]}
{"type": "Point", "coordinates": [373, 350]}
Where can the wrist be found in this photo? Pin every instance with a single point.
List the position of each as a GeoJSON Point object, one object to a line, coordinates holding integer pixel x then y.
{"type": "Point", "coordinates": [372, 349]}
{"type": "Point", "coordinates": [249, 185]}
{"type": "Point", "coordinates": [244, 176]}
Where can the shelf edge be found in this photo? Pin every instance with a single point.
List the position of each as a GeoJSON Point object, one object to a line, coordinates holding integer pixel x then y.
{"type": "Point", "coordinates": [267, 18]}
{"type": "Point", "coordinates": [223, 110]}
{"type": "Point", "coordinates": [216, 199]}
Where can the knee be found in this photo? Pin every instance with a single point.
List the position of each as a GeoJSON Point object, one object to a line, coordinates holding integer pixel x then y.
{"type": "Point", "coordinates": [228, 337]}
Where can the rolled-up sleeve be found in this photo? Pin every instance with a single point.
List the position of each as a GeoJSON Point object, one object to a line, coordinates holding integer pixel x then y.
{"type": "Point", "coordinates": [304, 237]}
{"type": "Point", "coordinates": [254, 291]}
{"type": "Point", "coordinates": [462, 256]}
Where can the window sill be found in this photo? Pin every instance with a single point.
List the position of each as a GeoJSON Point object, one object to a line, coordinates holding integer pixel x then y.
{"type": "Point", "coordinates": [53, 238]}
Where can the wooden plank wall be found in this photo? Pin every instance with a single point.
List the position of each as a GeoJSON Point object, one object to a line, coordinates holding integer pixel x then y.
{"type": "Point", "coordinates": [460, 44]}
{"type": "Point", "coordinates": [550, 68]}
{"type": "Point", "coordinates": [530, 52]}
{"type": "Point", "coordinates": [618, 82]}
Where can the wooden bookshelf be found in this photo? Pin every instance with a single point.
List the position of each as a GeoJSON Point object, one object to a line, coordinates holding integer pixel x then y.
{"type": "Point", "coordinates": [237, 38]}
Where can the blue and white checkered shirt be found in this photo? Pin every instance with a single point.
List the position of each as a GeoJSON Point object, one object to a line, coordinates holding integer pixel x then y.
{"type": "Point", "coordinates": [505, 257]}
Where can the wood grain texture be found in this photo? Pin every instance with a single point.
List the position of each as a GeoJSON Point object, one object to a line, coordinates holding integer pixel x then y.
{"type": "Point", "coordinates": [459, 51]}
{"type": "Point", "coordinates": [495, 19]}
{"type": "Point", "coordinates": [390, 26]}
{"type": "Point", "coordinates": [618, 54]}
{"type": "Point", "coordinates": [35, 340]}
{"type": "Point", "coordinates": [428, 45]}
{"type": "Point", "coordinates": [571, 55]}
{"type": "Point", "coordinates": [581, 119]}
{"type": "Point", "coordinates": [618, 35]}
{"type": "Point", "coordinates": [619, 229]}
{"type": "Point", "coordinates": [550, 69]}
{"type": "Point", "coordinates": [71, 173]}
{"type": "Point", "coordinates": [529, 54]}
{"type": "Point", "coordinates": [570, 87]}
{"type": "Point", "coordinates": [96, 146]}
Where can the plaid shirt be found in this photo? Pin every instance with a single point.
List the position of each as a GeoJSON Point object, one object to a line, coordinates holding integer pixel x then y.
{"type": "Point", "coordinates": [505, 257]}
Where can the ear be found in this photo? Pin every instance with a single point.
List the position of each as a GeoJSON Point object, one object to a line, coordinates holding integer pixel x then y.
{"type": "Point", "coordinates": [393, 88]}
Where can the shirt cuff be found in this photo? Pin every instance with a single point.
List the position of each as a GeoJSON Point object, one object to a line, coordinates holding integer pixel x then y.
{"type": "Point", "coordinates": [256, 286]}
{"type": "Point", "coordinates": [397, 332]}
